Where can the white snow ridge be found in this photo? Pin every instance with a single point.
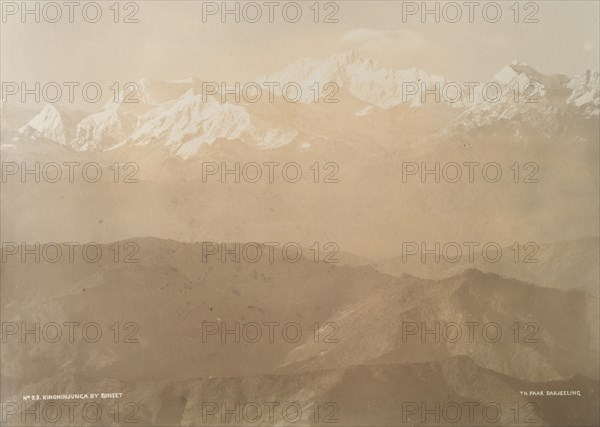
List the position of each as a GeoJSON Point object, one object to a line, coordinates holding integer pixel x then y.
{"type": "Point", "coordinates": [176, 114]}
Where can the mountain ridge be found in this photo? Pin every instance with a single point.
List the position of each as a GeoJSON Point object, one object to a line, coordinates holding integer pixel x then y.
{"type": "Point", "coordinates": [179, 116]}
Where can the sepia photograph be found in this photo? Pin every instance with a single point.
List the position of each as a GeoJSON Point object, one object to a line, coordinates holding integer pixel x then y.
{"type": "Point", "coordinates": [346, 213]}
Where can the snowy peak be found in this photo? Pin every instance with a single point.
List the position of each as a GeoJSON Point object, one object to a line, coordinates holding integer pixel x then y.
{"type": "Point", "coordinates": [520, 77]}
{"type": "Point", "coordinates": [530, 100]}
{"type": "Point", "coordinates": [195, 121]}
{"type": "Point", "coordinates": [111, 127]}
{"type": "Point", "coordinates": [362, 78]}
{"type": "Point", "coordinates": [54, 123]}
{"type": "Point", "coordinates": [190, 116]}
{"type": "Point", "coordinates": [178, 116]}
{"type": "Point", "coordinates": [105, 129]}
{"type": "Point", "coordinates": [585, 92]}
{"type": "Point", "coordinates": [515, 70]}
{"type": "Point", "coordinates": [556, 89]}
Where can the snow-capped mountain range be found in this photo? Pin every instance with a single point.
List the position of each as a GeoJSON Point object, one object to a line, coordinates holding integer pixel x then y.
{"type": "Point", "coordinates": [177, 115]}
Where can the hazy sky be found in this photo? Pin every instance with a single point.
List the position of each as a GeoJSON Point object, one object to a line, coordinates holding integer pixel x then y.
{"type": "Point", "coordinates": [172, 42]}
